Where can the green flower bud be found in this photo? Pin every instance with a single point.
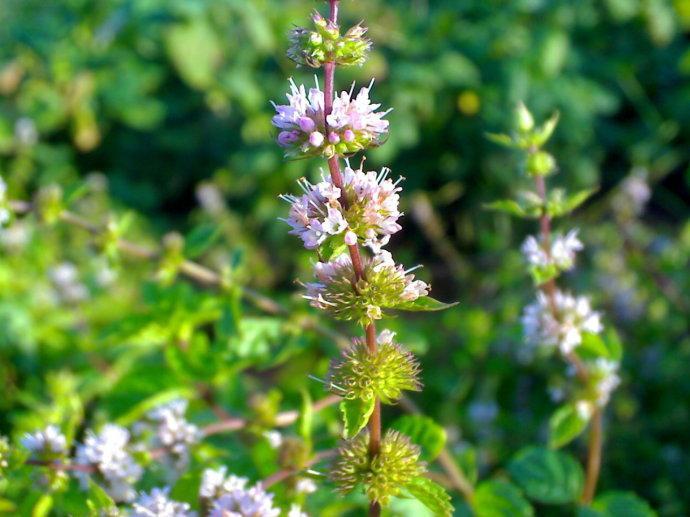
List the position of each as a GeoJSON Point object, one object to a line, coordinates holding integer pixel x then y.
{"type": "Point", "coordinates": [523, 118]}
{"type": "Point", "coordinates": [325, 44]}
{"type": "Point", "coordinates": [540, 163]}
{"type": "Point", "coordinates": [382, 477]}
{"type": "Point", "coordinates": [385, 374]}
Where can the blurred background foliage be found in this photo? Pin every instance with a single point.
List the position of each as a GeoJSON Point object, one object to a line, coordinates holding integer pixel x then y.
{"type": "Point", "coordinates": [161, 108]}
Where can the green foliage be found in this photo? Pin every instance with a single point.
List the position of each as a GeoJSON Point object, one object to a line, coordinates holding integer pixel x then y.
{"type": "Point", "coordinates": [566, 424]}
{"type": "Point", "coordinates": [497, 498]}
{"type": "Point", "coordinates": [431, 495]}
{"type": "Point", "coordinates": [546, 476]}
{"type": "Point", "coordinates": [424, 432]}
{"type": "Point", "coordinates": [617, 504]}
{"type": "Point", "coordinates": [356, 413]}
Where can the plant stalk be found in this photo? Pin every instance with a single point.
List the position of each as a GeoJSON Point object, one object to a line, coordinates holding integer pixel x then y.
{"type": "Point", "coordinates": [595, 443]}
{"type": "Point", "coordinates": [374, 424]}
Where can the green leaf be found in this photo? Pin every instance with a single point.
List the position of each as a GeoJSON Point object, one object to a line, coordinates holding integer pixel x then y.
{"type": "Point", "coordinates": [200, 239]}
{"type": "Point", "coordinates": [423, 431]}
{"type": "Point", "coordinates": [431, 495]}
{"type": "Point", "coordinates": [547, 476]}
{"type": "Point", "coordinates": [543, 133]}
{"type": "Point", "coordinates": [306, 417]}
{"type": "Point", "coordinates": [98, 499]}
{"type": "Point", "coordinates": [565, 425]}
{"type": "Point", "coordinates": [496, 498]}
{"type": "Point", "coordinates": [332, 248]}
{"type": "Point", "coordinates": [617, 504]}
{"type": "Point", "coordinates": [194, 49]}
{"type": "Point", "coordinates": [425, 303]}
{"type": "Point", "coordinates": [508, 206]}
{"type": "Point", "coordinates": [558, 204]}
{"type": "Point", "coordinates": [501, 139]}
{"type": "Point", "coordinates": [592, 347]}
{"type": "Point", "coordinates": [186, 489]}
{"type": "Point", "coordinates": [356, 413]}
{"type": "Point", "coordinates": [43, 506]}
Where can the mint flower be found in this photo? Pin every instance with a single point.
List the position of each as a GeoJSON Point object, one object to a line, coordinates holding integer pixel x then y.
{"type": "Point", "coordinates": [5, 214]}
{"type": "Point", "coordinates": [386, 286]}
{"type": "Point", "coordinates": [228, 496]}
{"type": "Point", "coordinates": [547, 263]}
{"type": "Point", "coordinates": [605, 377]}
{"type": "Point", "coordinates": [157, 504]}
{"type": "Point", "coordinates": [49, 443]}
{"type": "Point", "coordinates": [396, 465]}
{"type": "Point", "coordinates": [385, 374]}
{"type": "Point", "coordinates": [371, 215]}
{"type": "Point", "coordinates": [354, 124]}
{"type": "Point", "coordinates": [107, 453]}
{"type": "Point", "coordinates": [172, 431]}
{"type": "Point", "coordinates": [564, 329]}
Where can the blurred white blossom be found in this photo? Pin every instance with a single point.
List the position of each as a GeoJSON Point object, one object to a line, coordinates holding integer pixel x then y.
{"type": "Point", "coordinates": [48, 442]}
{"type": "Point", "coordinates": [107, 453]}
{"type": "Point", "coordinates": [156, 503]}
{"type": "Point", "coordinates": [563, 330]}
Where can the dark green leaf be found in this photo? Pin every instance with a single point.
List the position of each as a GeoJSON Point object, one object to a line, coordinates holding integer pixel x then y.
{"type": "Point", "coordinates": [547, 476]}
{"type": "Point", "coordinates": [200, 239]}
{"type": "Point", "coordinates": [617, 504]}
{"type": "Point", "coordinates": [498, 498]}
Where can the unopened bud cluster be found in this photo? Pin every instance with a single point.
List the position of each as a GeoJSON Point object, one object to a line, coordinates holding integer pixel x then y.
{"type": "Point", "coordinates": [385, 374]}
{"type": "Point", "coordinates": [324, 44]}
{"type": "Point", "coordinates": [382, 477]}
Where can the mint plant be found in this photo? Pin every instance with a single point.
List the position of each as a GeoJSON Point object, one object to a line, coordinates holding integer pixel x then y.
{"type": "Point", "coordinates": [557, 322]}
{"type": "Point", "coordinates": [347, 219]}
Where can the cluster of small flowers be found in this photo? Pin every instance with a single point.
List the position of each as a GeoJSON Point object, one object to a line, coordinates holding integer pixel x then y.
{"type": "Point", "coordinates": [171, 431]}
{"type": "Point", "coordinates": [107, 452]}
{"type": "Point", "coordinates": [45, 444]}
{"type": "Point", "coordinates": [562, 325]}
{"type": "Point", "coordinates": [157, 503]}
{"type": "Point", "coordinates": [228, 496]}
{"type": "Point", "coordinates": [65, 278]}
{"type": "Point", "coordinates": [325, 44]}
{"type": "Point", "coordinates": [560, 255]}
{"type": "Point", "coordinates": [5, 214]}
{"type": "Point", "coordinates": [353, 125]}
{"type": "Point", "coordinates": [371, 214]}
{"type": "Point", "coordinates": [387, 286]}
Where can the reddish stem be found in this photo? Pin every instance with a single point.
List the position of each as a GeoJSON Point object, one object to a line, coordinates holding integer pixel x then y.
{"type": "Point", "coordinates": [374, 423]}
{"type": "Point", "coordinates": [549, 288]}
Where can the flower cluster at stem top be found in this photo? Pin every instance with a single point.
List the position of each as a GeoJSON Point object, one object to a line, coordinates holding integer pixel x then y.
{"type": "Point", "coordinates": [353, 124]}
{"type": "Point", "coordinates": [325, 44]}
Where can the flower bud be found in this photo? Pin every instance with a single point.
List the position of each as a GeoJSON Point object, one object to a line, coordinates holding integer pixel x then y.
{"type": "Point", "coordinates": [349, 135]}
{"type": "Point", "coordinates": [307, 124]}
{"type": "Point", "coordinates": [525, 121]}
{"type": "Point", "coordinates": [350, 238]}
{"type": "Point", "coordinates": [316, 139]}
{"type": "Point", "coordinates": [333, 137]}
{"type": "Point", "coordinates": [540, 163]}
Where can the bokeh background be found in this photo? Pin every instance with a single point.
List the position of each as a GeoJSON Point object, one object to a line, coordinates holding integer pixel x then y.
{"type": "Point", "coordinates": [160, 108]}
